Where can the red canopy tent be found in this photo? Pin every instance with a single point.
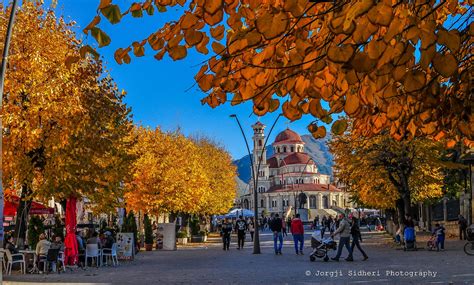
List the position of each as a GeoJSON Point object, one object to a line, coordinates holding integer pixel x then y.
{"type": "Point", "coordinates": [11, 205]}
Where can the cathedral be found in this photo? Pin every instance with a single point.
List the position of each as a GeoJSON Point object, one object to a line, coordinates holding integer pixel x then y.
{"type": "Point", "coordinates": [289, 180]}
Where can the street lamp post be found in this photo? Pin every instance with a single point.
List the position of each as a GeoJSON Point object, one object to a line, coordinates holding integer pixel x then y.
{"type": "Point", "coordinates": [3, 69]}
{"type": "Point", "coordinates": [256, 238]}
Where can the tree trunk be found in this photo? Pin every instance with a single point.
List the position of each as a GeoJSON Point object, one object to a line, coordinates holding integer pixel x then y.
{"type": "Point", "coordinates": [22, 216]}
{"type": "Point", "coordinates": [406, 195]}
{"type": "Point", "coordinates": [400, 211]}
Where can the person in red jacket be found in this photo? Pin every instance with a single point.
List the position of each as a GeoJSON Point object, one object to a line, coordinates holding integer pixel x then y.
{"type": "Point", "coordinates": [297, 231]}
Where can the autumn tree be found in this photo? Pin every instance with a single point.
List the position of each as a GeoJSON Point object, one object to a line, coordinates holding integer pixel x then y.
{"type": "Point", "coordinates": [221, 173]}
{"type": "Point", "coordinates": [65, 124]}
{"type": "Point", "coordinates": [167, 175]}
{"type": "Point", "coordinates": [402, 67]}
{"type": "Point", "coordinates": [381, 172]}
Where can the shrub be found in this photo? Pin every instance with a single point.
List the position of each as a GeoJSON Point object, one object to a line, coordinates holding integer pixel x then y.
{"type": "Point", "coordinates": [148, 230]}
{"type": "Point", "coordinates": [35, 228]}
{"type": "Point", "coordinates": [194, 225]}
{"type": "Point", "coordinates": [181, 235]}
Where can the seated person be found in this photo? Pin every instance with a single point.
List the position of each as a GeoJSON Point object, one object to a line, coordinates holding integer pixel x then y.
{"type": "Point", "coordinates": [80, 241]}
{"type": "Point", "coordinates": [109, 240]}
{"type": "Point", "coordinates": [94, 239]}
{"type": "Point", "coordinates": [42, 248]}
{"type": "Point", "coordinates": [57, 243]}
{"type": "Point", "coordinates": [11, 247]}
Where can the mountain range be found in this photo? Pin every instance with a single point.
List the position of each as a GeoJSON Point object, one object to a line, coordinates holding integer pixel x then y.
{"type": "Point", "coordinates": [316, 148]}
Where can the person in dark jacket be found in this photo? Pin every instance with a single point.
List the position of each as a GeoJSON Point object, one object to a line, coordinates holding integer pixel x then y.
{"type": "Point", "coordinates": [297, 230]}
{"type": "Point", "coordinates": [226, 231]}
{"type": "Point", "coordinates": [356, 237]}
{"type": "Point", "coordinates": [345, 237]}
{"type": "Point", "coordinates": [462, 227]}
{"type": "Point", "coordinates": [10, 245]}
{"type": "Point", "coordinates": [240, 228]}
{"type": "Point", "coordinates": [276, 228]}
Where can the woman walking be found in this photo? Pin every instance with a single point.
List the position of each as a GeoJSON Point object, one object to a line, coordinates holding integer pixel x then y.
{"type": "Point", "coordinates": [356, 237]}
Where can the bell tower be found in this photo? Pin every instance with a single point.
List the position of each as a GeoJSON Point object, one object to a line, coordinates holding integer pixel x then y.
{"type": "Point", "coordinates": [259, 145]}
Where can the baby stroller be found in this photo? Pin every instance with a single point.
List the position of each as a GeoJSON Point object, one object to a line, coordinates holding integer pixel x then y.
{"type": "Point", "coordinates": [431, 244]}
{"type": "Point", "coordinates": [409, 239]}
{"type": "Point", "coordinates": [321, 247]}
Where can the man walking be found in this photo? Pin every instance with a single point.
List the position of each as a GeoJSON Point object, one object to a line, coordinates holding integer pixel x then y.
{"type": "Point", "coordinates": [344, 231]}
{"type": "Point", "coordinates": [356, 237]}
{"type": "Point", "coordinates": [462, 227]}
{"type": "Point", "coordinates": [226, 230]}
{"type": "Point", "coordinates": [240, 227]}
{"type": "Point", "coordinates": [297, 231]}
{"type": "Point", "coordinates": [276, 228]}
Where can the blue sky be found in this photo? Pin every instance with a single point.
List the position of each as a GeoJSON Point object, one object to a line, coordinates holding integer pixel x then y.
{"type": "Point", "coordinates": [156, 90]}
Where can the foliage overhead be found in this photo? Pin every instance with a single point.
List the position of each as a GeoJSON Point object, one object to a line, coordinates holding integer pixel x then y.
{"type": "Point", "coordinates": [399, 66]}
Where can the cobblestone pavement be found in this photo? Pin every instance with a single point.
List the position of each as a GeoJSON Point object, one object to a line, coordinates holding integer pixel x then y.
{"type": "Point", "coordinates": [209, 264]}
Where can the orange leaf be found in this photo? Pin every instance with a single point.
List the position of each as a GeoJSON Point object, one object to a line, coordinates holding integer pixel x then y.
{"type": "Point", "coordinates": [178, 52]}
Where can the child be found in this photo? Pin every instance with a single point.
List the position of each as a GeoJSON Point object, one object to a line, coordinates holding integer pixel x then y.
{"type": "Point", "coordinates": [439, 231]}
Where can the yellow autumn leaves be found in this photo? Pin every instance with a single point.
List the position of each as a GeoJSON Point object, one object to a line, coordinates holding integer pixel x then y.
{"type": "Point", "coordinates": [67, 127]}
{"type": "Point", "coordinates": [379, 171]}
{"type": "Point", "coordinates": [383, 63]}
{"type": "Point", "coordinates": [69, 133]}
{"type": "Point", "coordinates": [175, 174]}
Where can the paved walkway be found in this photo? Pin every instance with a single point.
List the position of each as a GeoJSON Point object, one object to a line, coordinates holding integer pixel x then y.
{"type": "Point", "coordinates": [210, 264]}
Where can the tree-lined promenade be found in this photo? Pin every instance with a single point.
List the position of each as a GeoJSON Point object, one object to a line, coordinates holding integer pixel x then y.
{"type": "Point", "coordinates": [391, 79]}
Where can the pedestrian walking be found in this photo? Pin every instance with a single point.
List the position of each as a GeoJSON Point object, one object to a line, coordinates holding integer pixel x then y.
{"type": "Point", "coordinates": [330, 225]}
{"type": "Point", "coordinates": [344, 231]}
{"type": "Point", "coordinates": [276, 228]}
{"type": "Point", "coordinates": [356, 237]}
{"type": "Point", "coordinates": [323, 226]}
{"type": "Point", "coordinates": [240, 227]}
{"type": "Point", "coordinates": [440, 233]}
{"type": "Point", "coordinates": [462, 228]}
{"type": "Point", "coordinates": [297, 230]}
{"type": "Point", "coordinates": [251, 228]}
{"type": "Point", "coordinates": [284, 228]}
{"type": "Point", "coordinates": [226, 230]}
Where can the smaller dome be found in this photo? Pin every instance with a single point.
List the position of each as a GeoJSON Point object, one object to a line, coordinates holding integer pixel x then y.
{"type": "Point", "coordinates": [298, 158]}
{"type": "Point", "coordinates": [288, 136]}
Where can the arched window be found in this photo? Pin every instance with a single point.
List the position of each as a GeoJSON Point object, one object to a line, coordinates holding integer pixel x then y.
{"type": "Point", "coordinates": [278, 149]}
{"type": "Point", "coordinates": [246, 204]}
{"type": "Point", "coordinates": [261, 204]}
{"type": "Point", "coordinates": [325, 202]}
{"type": "Point", "coordinates": [312, 202]}
{"type": "Point", "coordinates": [284, 149]}
{"type": "Point", "coordinates": [260, 143]}
{"type": "Point", "coordinates": [292, 149]}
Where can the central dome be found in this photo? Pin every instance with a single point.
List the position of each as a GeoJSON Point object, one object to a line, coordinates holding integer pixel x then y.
{"type": "Point", "coordinates": [288, 136]}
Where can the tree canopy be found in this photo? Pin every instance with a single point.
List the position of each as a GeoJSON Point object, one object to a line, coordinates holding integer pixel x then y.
{"type": "Point", "coordinates": [381, 172]}
{"type": "Point", "coordinates": [66, 125]}
{"type": "Point", "coordinates": [398, 66]}
{"type": "Point", "coordinates": [174, 174]}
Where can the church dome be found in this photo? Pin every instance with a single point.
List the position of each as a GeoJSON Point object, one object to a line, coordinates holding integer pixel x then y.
{"type": "Point", "coordinates": [298, 158]}
{"type": "Point", "coordinates": [288, 136]}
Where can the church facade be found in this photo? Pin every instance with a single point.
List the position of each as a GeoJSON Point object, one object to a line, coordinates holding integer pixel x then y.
{"type": "Point", "coordinates": [289, 180]}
